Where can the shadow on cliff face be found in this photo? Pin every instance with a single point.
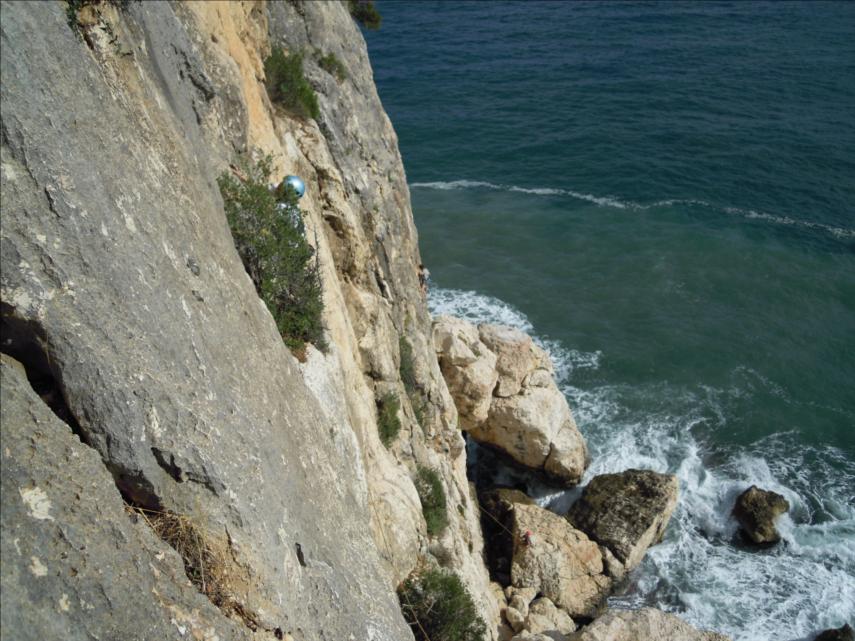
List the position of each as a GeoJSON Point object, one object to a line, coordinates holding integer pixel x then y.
{"type": "Point", "coordinates": [26, 342]}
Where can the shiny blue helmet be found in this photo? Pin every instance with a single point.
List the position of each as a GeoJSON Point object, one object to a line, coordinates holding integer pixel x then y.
{"type": "Point", "coordinates": [296, 183]}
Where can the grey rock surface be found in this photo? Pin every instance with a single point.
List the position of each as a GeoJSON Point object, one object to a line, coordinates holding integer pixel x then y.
{"type": "Point", "coordinates": [121, 288]}
{"type": "Point", "coordinates": [626, 513]}
{"type": "Point", "coordinates": [756, 510]}
{"type": "Point", "coordinates": [75, 564]}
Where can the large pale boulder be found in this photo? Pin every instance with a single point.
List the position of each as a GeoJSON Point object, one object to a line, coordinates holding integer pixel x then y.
{"type": "Point", "coordinates": [468, 367]}
{"type": "Point", "coordinates": [561, 562]}
{"type": "Point", "coordinates": [506, 396]}
{"type": "Point", "coordinates": [646, 624]}
{"type": "Point", "coordinates": [544, 617]}
{"type": "Point", "coordinates": [626, 513]}
{"type": "Point", "coordinates": [756, 510]}
{"type": "Point", "coordinates": [517, 356]}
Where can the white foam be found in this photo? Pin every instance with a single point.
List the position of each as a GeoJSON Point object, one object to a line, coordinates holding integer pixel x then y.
{"type": "Point", "coordinates": [618, 203]}
{"type": "Point", "coordinates": [604, 201]}
{"type": "Point", "coordinates": [789, 592]}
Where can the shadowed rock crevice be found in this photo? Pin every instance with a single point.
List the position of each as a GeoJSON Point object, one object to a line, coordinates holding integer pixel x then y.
{"type": "Point", "coordinates": [27, 343]}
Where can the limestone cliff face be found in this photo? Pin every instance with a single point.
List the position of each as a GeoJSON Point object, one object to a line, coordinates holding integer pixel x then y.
{"type": "Point", "coordinates": [125, 300]}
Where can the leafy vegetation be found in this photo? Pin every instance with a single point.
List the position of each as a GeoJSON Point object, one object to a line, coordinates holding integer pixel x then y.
{"type": "Point", "coordinates": [437, 607]}
{"type": "Point", "coordinates": [388, 422]}
{"type": "Point", "coordinates": [330, 63]}
{"type": "Point", "coordinates": [287, 86]}
{"type": "Point", "coordinates": [267, 230]}
{"type": "Point", "coordinates": [407, 368]}
{"type": "Point", "coordinates": [364, 12]}
{"type": "Point", "coordinates": [432, 495]}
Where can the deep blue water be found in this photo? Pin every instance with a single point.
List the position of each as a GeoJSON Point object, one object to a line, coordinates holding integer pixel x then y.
{"type": "Point", "coordinates": [664, 194]}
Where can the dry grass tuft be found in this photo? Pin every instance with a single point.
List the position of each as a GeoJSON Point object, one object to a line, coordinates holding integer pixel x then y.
{"type": "Point", "coordinates": [208, 560]}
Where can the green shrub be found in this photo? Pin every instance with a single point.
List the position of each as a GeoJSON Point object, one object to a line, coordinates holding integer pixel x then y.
{"type": "Point", "coordinates": [429, 487]}
{"type": "Point", "coordinates": [388, 422]}
{"type": "Point", "coordinates": [275, 253]}
{"type": "Point", "coordinates": [407, 369]}
{"type": "Point", "coordinates": [364, 12]}
{"type": "Point", "coordinates": [437, 607]}
{"type": "Point", "coordinates": [330, 63]}
{"type": "Point", "coordinates": [287, 86]}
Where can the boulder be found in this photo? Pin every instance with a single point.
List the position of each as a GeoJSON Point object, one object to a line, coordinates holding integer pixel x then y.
{"type": "Point", "coordinates": [544, 617]}
{"type": "Point", "coordinates": [556, 559]}
{"type": "Point", "coordinates": [756, 511]}
{"type": "Point", "coordinates": [844, 633]}
{"type": "Point", "coordinates": [647, 624]}
{"type": "Point", "coordinates": [469, 368]}
{"type": "Point", "coordinates": [525, 635]}
{"type": "Point", "coordinates": [517, 357]}
{"type": "Point", "coordinates": [626, 513]}
{"type": "Point", "coordinates": [507, 398]}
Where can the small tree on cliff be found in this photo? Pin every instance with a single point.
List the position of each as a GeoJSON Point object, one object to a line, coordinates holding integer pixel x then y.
{"type": "Point", "coordinates": [275, 253]}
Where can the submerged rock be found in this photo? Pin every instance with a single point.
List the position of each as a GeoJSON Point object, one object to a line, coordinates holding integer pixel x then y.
{"type": "Point", "coordinates": [647, 624]}
{"type": "Point", "coordinates": [756, 510]}
{"type": "Point", "coordinates": [626, 513]}
{"type": "Point", "coordinates": [506, 396]}
{"type": "Point", "coordinates": [844, 633]}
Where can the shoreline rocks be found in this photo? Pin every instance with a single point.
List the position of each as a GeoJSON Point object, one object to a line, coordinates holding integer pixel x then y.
{"type": "Point", "coordinates": [504, 388]}
{"type": "Point", "coordinates": [626, 513]}
{"type": "Point", "coordinates": [647, 624]}
{"type": "Point", "coordinates": [756, 510]}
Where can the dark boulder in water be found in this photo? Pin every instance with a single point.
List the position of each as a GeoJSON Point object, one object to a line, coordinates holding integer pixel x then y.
{"type": "Point", "coordinates": [844, 633]}
{"type": "Point", "coordinates": [756, 510]}
{"type": "Point", "coordinates": [626, 513]}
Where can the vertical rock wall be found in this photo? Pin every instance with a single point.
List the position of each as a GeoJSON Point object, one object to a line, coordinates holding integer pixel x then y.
{"type": "Point", "coordinates": [127, 304]}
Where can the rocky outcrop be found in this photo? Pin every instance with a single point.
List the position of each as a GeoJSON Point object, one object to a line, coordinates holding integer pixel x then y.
{"type": "Point", "coordinates": [544, 617]}
{"type": "Point", "coordinates": [557, 560]}
{"type": "Point", "coordinates": [646, 624]}
{"type": "Point", "coordinates": [506, 396]}
{"type": "Point", "coordinates": [124, 298]}
{"type": "Point", "coordinates": [468, 366]}
{"type": "Point", "coordinates": [625, 513]}
{"type": "Point", "coordinates": [756, 511]}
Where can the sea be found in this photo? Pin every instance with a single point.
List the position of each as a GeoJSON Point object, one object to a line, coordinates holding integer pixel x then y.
{"type": "Point", "coordinates": [663, 195]}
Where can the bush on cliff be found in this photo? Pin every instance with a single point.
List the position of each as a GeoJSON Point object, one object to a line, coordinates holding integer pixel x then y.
{"type": "Point", "coordinates": [364, 12]}
{"type": "Point", "coordinates": [437, 607]}
{"type": "Point", "coordinates": [287, 86]}
{"type": "Point", "coordinates": [330, 63]}
{"type": "Point", "coordinates": [276, 255]}
{"type": "Point", "coordinates": [432, 495]}
{"type": "Point", "coordinates": [388, 422]}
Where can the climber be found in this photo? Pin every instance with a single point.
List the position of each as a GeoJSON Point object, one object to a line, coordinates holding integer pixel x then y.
{"type": "Point", "coordinates": [528, 538]}
{"type": "Point", "coordinates": [424, 278]}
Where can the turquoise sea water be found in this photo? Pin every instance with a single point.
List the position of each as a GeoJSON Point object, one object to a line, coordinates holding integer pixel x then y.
{"type": "Point", "coordinates": [664, 194]}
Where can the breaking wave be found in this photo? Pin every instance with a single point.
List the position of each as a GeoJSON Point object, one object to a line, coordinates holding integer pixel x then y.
{"type": "Point", "coordinates": [699, 571]}
{"type": "Point", "coordinates": [617, 203]}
